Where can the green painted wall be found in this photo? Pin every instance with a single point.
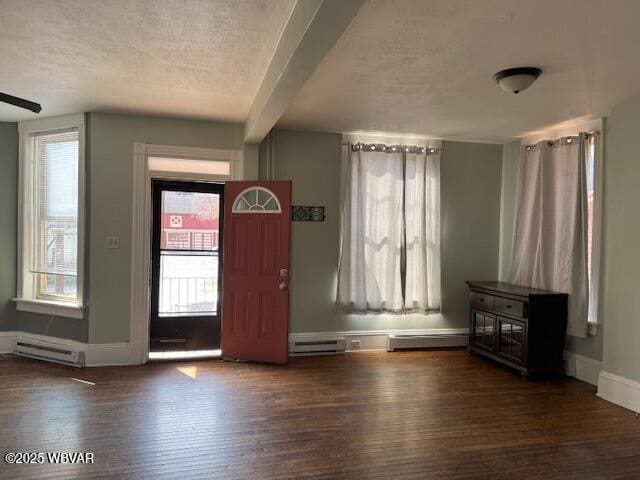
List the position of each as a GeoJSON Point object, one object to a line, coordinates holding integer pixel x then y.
{"type": "Point", "coordinates": [8, 222]}
{"type": "Point", "coordinates": [111, 139]}
{"type": "Point", "coordinates": [621, 302]}
{"type": "Point", "coordinates": [109, 165]}
{"type": "Point", "coordinates": [470, 176]}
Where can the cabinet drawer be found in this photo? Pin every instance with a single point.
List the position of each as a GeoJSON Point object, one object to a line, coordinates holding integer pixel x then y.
{"type": "Point", "coordinates": [511, 307]}
{"type": "Point", "coordinates": [482, 300]}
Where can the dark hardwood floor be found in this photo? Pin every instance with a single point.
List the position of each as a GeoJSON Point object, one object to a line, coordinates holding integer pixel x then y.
{"type": "Point", "coordinates": [414, 415]}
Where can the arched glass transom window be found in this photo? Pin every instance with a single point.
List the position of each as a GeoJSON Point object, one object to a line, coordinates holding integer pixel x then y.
{"type": "Point", "coordinates": [256, 200]}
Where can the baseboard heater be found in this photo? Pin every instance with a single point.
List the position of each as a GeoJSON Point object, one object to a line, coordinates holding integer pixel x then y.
{"type": "Point", "coordinates": [318, 347]}
{"type": "Point", "coordinates": [49, 353]}
{"type": "Point", "coordinates": [416, 342]}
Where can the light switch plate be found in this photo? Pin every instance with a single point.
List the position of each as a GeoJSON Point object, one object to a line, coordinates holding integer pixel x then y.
{"type": "Point", "coordinates": [113, 242]}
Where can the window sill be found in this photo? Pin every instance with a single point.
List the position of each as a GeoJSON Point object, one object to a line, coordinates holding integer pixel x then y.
{"type": "Point", "coordinates": [47, 307]}
{"type": "Point", "coordinates": [592, 328]}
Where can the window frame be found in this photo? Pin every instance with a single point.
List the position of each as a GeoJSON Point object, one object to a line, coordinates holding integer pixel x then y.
{"type": "Point", "coordinates": [593, 321]}
{"type": "Point", "coordinates": [27, 298]}
{"type": "Point", "coordinates": [141, 220]}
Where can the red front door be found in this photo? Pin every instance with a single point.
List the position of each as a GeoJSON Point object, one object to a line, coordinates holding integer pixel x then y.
{"type": "Point", "coordinates": [255, 307]}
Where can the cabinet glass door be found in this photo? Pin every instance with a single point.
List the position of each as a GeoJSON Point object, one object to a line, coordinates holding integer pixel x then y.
{"type": "Point", "coordinates": [483, 329]}
{"type": "Point", "coordinates": [511, 338]}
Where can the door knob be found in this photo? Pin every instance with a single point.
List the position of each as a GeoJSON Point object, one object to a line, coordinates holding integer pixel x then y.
{"type": "Point", "coordinates": [282, 285]}
{"type": "Point", "coordinates": [284, 272]}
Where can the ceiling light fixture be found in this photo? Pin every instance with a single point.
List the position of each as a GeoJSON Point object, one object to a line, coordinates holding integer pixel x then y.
{"type": "Point", "coordinates": [515, 80]}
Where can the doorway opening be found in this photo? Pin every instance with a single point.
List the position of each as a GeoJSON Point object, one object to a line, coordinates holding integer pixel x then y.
{"type": "Point", "coordinates": [186, 269]}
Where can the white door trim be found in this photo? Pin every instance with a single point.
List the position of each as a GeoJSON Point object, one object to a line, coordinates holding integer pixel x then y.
{"type": "Point", "coordinates": [141, 222]}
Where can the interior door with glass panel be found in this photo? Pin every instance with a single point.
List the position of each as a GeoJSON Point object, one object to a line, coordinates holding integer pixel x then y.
{"type": "Point", "coordinates": [186, 266]}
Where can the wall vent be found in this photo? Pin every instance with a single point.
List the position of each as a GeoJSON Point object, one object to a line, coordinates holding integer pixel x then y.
{"type": "Point", "coordinates": [49, 353]}
{"type": "Point", "coordinates": [317, 347]}
{"type": "Point", "coordinates": [416, 342]}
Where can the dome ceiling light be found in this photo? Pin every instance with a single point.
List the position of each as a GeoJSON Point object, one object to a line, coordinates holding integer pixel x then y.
{"type": "Point", "coordinates": [515, 80]}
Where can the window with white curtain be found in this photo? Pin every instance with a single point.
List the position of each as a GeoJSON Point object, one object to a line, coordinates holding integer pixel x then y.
{"type": "Point", "coordinates": [556, 242]}
{"type": "Point", "coordinates": [390, 236]}
{"type": "Point", "coordinates": [51, 205]}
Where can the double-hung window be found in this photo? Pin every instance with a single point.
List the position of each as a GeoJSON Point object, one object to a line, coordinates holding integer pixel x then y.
{"type": "Point", "coordinates": [51, 210]}
{"type": "Point", "coordinates": [390, 236]}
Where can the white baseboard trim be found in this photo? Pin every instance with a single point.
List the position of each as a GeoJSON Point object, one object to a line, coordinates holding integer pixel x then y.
{"type": "Point", "coordinates": [619, 390]}
{"type": "Point", "coordinates": [7, 342]}
{"type": "Point", "coordinates": [113, 354]}
{"type": "Point", "coordinates": [371, 340]}
{"type": "Point", "coordinates": [582, 368]}
{"type": "Point", "coordinates": [96, 354]}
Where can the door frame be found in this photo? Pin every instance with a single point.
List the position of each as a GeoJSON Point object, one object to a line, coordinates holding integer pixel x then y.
{"type": "Point", "coordinates": [157, 188]}
{"type": "Point", "coordinates": [141, 225]}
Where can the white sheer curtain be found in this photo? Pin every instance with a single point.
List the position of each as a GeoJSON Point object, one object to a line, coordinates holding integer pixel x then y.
{"type": "Point", "coordinates": [390, 241]}
{"type": "Point", "coordinates": [550, 236]}
{"type": "Point", "coordinates": [422, 212]}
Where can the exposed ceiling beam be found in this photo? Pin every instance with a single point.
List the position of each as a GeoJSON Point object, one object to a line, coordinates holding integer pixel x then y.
{"type": "Point", "coordinates": [313, 28]}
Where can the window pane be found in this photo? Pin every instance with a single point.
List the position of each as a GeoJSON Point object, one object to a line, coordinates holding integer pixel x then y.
{"type": "Point", "coordinates": [591, 172]}
{"type": "Point", "coordinates": [190, 221]}
{"type": "Point", "coordinates": [189, 276]}
{"type": "Point", "coordinates": [60, 244]}
{"type": "Point", "coordinates": [58, 285]}
{"type": "Point", "coordinates": [184, 165]}
{"type": "Point", "coordinates": [256, 200]}
{"type": "Point", "coordinates": [188, 283]}
{"type": "Point", "coordinates": [55, 239]}
{"type": "Point", "coordinates": [60, 178]}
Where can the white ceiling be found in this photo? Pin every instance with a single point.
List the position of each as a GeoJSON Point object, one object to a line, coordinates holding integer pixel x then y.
{"type": "Point", "coordinates": [198, 59]}
{"type": "Point", "coordinates": [405, 67]}
{"type": "Point", "coordinates": [425, 67]}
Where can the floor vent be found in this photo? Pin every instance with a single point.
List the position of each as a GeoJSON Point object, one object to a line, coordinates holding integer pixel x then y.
{"type": "Point", "coordinates": [317, 347]}
{"type": "Point", "coordinates": [417, 342]}
{"type": "Point", "coordinates": [49, 353]}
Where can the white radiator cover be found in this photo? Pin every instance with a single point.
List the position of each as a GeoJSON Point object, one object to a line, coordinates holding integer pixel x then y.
{"type": "Point", "coordinates": [49, 352]}
{"type": "Point", "coordinates": [402, 342]}
{"type": "Point", "coordinates": [317, 347]}
{"type": "Point", "coordinates": [376, 340]}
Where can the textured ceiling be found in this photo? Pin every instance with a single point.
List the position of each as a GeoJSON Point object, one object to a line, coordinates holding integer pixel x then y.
{"type": "Point", "coordinates": [424, 67]}
{"type": "Point", "coordinates": [192, 58]}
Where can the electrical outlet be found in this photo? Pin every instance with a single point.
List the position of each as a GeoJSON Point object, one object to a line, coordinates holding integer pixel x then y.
{"type": "Point", "coordinates": [113, 242]}
{"type": "Point", "coordinates": [354, 344]}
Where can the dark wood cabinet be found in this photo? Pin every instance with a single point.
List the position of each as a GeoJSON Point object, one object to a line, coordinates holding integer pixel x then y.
{"type": "Point", "coordinates": [522, 327]}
